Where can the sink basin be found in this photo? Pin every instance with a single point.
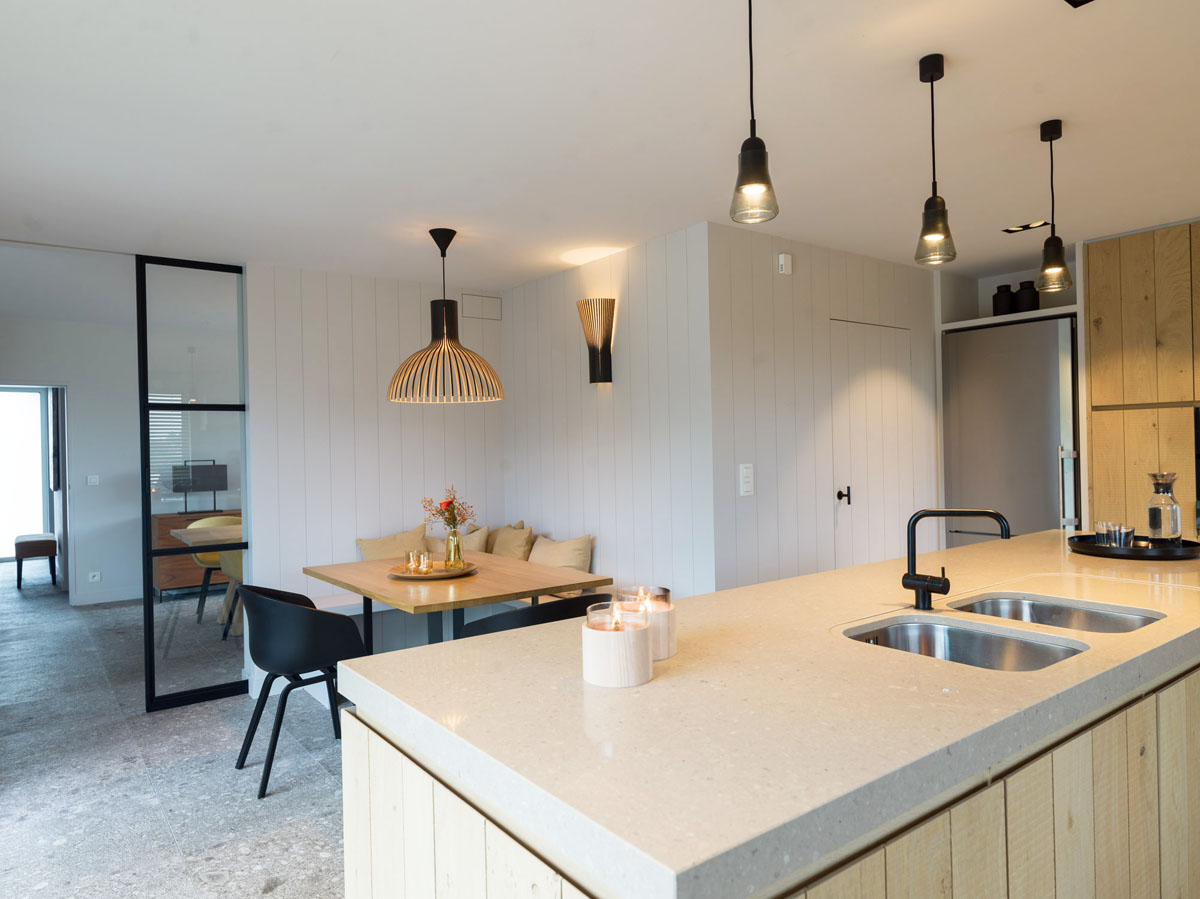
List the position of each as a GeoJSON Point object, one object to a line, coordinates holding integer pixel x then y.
{"type": "Point", "coordinates": [1078, 616]}
{"type": "Point", "coordinates": [990, 648]}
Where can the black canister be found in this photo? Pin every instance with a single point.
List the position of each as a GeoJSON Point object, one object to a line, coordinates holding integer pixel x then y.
{"type": "Point", "coordinates": [1002, 300]}
{"type": "Point", "coordinates": [1026, 297]}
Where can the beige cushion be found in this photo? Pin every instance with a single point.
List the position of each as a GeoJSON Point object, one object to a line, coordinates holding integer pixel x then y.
{"type": "Point", "coordinates": [575, 554]}
{"type": "Point", "coordinates": [491, 542]}
{"type": "Point", "coordinates": [475, 542]}
{"type": "Point", "coordinates": [397, 546]}
{"type": "Point", "coordinates": [514, 543]}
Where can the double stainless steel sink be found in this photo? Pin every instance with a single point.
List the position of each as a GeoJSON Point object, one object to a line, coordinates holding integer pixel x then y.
{"type": "Point", "coordinates": [1002, 648]}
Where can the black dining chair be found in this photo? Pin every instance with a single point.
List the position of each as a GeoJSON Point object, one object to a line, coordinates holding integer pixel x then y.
{"type": "Point", "coordinates": [559, 610]}
{"type": "Point", "coordinates": [289, 637]}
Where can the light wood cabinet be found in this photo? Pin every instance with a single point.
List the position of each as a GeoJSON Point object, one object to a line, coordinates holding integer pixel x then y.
{"type": "Point", "coordinates": [1143, 314]}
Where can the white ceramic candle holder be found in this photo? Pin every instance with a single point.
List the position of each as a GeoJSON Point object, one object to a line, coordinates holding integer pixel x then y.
{"type": "Point", "coordinates": [657, 603]}
{"type": "Point", "coordinates": [616, 646]}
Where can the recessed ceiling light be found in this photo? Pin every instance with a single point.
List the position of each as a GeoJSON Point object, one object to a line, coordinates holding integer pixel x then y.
{"type": "Point", "coordinates": [1017, 229]}
{"type": "Point", "coordinates": [584, 255]}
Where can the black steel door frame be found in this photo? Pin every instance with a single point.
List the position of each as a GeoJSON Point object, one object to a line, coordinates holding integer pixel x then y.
{"type": "Point", "coordinates": [155, 702]}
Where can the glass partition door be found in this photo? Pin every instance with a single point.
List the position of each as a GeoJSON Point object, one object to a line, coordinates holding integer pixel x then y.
{"type": "Point", "coordinates": [191, 352]}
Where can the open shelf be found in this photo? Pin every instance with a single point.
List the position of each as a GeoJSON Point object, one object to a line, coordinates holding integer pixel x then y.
{"type": "Point", "coordinates": [1011, 318]}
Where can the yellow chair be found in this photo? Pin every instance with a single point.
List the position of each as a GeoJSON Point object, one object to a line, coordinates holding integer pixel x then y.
{"type": "Point", "coordinates": [210, 562]}
{"type": "Point", "coordinates": [231, 567]}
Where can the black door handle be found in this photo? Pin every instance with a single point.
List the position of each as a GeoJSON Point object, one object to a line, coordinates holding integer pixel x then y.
{"type": "Point", "coordinates": [844, 494]}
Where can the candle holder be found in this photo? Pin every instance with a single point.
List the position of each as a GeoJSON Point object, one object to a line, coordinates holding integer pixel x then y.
{"type": "Point", "coordinates": [616, 645]}
{"type": "Point", "coordinates": [657, 603]}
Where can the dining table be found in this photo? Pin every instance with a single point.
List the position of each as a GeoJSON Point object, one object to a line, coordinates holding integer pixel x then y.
{"type": "Point", "coordinates": [215, 536]}
{"type": "Point", "coordinates": [495, 579]}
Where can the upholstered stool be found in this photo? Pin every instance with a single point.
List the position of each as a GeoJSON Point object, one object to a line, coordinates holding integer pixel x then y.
{"type": "Point", "coordinates": [35, 546]}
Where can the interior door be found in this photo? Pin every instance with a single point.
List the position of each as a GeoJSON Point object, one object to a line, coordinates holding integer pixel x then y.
{"type": "Point", "coordinates": [872, 415]}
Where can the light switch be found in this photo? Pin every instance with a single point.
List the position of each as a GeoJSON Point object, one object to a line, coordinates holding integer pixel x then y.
{"type": "Point", "coordinates": [746, 479]}
{"type": "Point", "coordinates": [93, 480]}
{"type": "Point", "coordinates": [785, 264]}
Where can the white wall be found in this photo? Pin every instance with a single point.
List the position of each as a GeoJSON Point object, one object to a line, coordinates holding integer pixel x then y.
{"type": "Point", "coordinates": [627, 462]}
{"type": "Point", "coordinates": [330, 458]}
{"type": "Point", "coordinates": [67, 318]}
{"type": "Point", "coordinates": [773, 397]}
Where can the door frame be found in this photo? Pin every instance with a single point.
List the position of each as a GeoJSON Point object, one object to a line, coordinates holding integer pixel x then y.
{"type": "Point", "coordinates": [155, 702]}
{"type": "Point", "coordinates": [47, 500]}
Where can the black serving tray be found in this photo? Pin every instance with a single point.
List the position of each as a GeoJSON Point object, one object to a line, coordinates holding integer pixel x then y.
{"type": "Point", "coordinates": [1143, 549]}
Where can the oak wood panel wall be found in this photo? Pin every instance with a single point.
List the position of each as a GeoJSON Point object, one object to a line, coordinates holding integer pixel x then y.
{"type": "Point", "coordinates": [628, 462]}
{"type": "Point", "coordinates": [332, 458]}
{"type": "Point", "coordinates": [774, 403]}
{"type": "Point", "coordinates": [1143, 340]}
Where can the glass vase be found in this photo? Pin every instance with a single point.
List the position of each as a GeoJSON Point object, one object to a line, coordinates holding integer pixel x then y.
{"type": "Point", "coordinates": [454, 556]}
{"type": "Point", "coordinates": [1163, 512]}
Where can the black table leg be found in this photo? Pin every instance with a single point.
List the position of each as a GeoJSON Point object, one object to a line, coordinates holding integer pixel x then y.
{"type": "Point", "coordinates": [433, 621]}
{"type": "Point", "coordinates": [368, 626]}
{"type": "Point", "coordinates": [459, 618]}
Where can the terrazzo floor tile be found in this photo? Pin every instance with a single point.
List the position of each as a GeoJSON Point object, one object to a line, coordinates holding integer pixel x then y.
{"type": "Point", "coordinates": [99, 799]}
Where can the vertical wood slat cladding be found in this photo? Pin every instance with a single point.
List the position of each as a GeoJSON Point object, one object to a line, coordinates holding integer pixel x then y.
{"type": "Point", "coordinates": [333, 459]}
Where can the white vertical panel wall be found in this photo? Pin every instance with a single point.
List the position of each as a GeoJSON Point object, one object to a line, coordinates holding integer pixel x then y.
{"type": "Point", "coordinates": [331, 458]}
{"type": "Point", "coordinates": [628, 462]}
{"type": "Point", "coordinates": [775, 404]}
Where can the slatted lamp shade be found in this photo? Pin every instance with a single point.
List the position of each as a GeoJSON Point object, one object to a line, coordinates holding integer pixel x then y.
{"type": "Point", "coordinates": [445, 371]}
{"type": "Point", "coordinates": [597, 316]}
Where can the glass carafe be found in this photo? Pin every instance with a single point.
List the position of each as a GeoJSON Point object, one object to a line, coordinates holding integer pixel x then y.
{"type": "Point", "coordinates": [1166, 525]}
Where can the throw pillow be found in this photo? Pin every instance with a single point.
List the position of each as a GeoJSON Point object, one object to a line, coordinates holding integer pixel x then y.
{"type": "Point", "coordinates": [513, 543]}
{"type": "Point", "coordinates": [576, 553]}
{"type": "Point", "coordinates": [397, 546]}
{"type": "Point", "coordinates": [492, 537]}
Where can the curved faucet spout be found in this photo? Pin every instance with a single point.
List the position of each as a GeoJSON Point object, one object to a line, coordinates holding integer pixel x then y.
{"type": "Point", "coordinates": [923, 585]}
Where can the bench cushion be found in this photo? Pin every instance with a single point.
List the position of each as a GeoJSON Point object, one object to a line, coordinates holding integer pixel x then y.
{"type": "Point", "coordinates": [34, 546]}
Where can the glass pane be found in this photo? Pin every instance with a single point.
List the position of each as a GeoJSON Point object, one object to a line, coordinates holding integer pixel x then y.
{"type": "Point", "coordinates": [196, 469]}
{"type": "Point", "coordinates": [193, 335]}
{"type": "Point", "coordinates": [22, 488]}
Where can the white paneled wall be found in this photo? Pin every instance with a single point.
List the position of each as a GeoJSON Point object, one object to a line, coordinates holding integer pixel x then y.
{"type": "Point", "coordinates": [773, 397]}
{"type": "Point", "coordinates": [332, 458]}
{"type": "Point", "coordinates": [628, 462]}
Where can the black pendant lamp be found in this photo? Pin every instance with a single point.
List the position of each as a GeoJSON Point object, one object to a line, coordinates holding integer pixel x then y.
{"type": "Point", "coordinates": [935, 246]}
{"type": "Point", "coordinates": [445, 371]}
{"type": "Point", "coordinates": [753, 196]}
{"type": "Point", "coordinates": [1054, 275]}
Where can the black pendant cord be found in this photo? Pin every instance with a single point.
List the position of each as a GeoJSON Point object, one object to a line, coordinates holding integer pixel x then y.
{"type": "Point", "coordinates": [1053, 232]}
{"type": "Point", "coordinates": [443, 275]}
{"type": "Point", "coordinates": [750, 33]}
{"type": "Point", "coordinates": [933, 138]}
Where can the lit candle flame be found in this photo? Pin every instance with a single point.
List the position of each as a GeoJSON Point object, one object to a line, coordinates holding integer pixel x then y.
{"type": "Point", "coordinates": [616, 618]}
{"type": "Point", "coordinates": [644, 599]}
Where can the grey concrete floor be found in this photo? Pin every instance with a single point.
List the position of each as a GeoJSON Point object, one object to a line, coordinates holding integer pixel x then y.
{"type": "Point", "coordinates": [99, 799]}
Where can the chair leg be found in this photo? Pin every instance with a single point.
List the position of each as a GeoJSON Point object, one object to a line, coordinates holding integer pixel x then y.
{"type": "Point", "coordinates": [19, 561]}
{"type": "Point", "coordinates": [283, 697]}
{"type": "Point", "coordinates": [330, 676]}
{"type": "Point", "coordinates": [203, 594]}
{"type": "Point", "coordinates": [258, 710]}
{"type": "Point", "coordinates": [53, 573]}
{"type": "Point", "coordinates": [229, 614]}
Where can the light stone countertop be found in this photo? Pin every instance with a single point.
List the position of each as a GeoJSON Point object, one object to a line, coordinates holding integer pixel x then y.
{"type": "Point", "coordinates": [771, 745]}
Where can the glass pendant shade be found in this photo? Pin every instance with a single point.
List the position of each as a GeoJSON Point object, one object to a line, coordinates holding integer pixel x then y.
{"type": "Point", "coordinates": [1055, 275]}
{"type": "Point", "coordinates": [753, 195]}
{"type": "Point", "coordinates": [936, 245]}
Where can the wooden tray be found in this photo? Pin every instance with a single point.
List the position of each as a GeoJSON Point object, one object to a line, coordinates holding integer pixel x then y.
{"type": "Point", "coordinates": [401, 572]}
{"type": "Point", "coordinates": [1143, 549]}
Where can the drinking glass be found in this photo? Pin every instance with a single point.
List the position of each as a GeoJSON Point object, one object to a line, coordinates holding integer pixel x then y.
{"type": "Point", "coordinates": [414, 560]}
{"type": "Point", "coordinates": [426, 567]}
{"type": "Point", "coordinates": [1124, 535]}
{"type": "Point", "coordinates": [1100, 530]}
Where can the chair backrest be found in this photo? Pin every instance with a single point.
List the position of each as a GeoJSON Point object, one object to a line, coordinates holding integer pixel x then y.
{"type": "Point", "coordinates": [558, 610]}
{"type": "Point", "coordinates": [210, 560]}
{"type": "Point", "coordinates": [288, 635]}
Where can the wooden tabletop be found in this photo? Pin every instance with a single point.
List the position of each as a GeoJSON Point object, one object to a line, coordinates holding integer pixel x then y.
{"type": "Point", "coordinates": [499, 579]}
{"type": "Point", "coordinates": [229, 533]}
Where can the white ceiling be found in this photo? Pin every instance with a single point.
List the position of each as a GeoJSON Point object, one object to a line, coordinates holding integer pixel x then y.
{"type": "Point", "coordinates": [333, 135]}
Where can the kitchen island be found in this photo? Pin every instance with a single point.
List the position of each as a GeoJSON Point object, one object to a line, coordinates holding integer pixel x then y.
{"type": "Point", "coordinates": [774, 756]}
